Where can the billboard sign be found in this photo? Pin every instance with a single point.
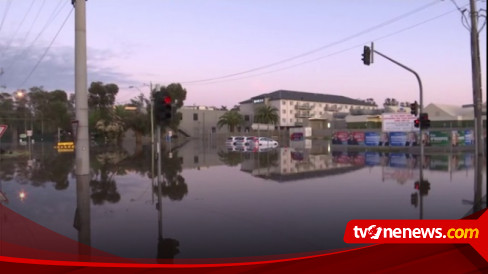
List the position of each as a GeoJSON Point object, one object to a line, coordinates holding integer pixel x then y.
{"type": "Point", "coordinates": [439, 138]}
{"type": "Point", "coordinates": [371, 138]}
{"type": "Point", "coordinates": [398, 122]}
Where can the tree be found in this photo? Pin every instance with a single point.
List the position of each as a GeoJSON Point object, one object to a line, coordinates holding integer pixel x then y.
{"type": "Point", "coordinates": [102, 97]}
{"type": "Point", "coordinates": [138, 120]}
{"type": "Point", "coordinates": [231, 119]}
{"type": "Point", "coordinates": [267, 115]}
{"type": "Point", "coordinates": [390, 102]}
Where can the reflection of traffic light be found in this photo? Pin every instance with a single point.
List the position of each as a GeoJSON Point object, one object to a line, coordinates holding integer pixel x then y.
{"type": "Point", "coordinates": [424, 120]}
{"type": "Point", "coordinates": [424, 187]}
{"type": "Point", "coordinates": [163, 109]}
{"type": "Point", "coordinates": [414, 199]}
{"type": "Point", "coordinates": [414, 108]}
{"type": "Point", "coordinates": [168, 248]}
{"type": "Point", "coordinates": [366, 55]}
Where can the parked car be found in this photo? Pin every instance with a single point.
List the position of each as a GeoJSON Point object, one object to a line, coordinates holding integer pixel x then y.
{"type": "Point", "coordinates": [246, 141]}
{"type": "Point", "coordinates": [231, 141]}
{"type": "Point", "coordinates": [266, 142]}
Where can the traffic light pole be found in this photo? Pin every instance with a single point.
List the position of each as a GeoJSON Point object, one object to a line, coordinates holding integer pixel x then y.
{"type": "Point", "coordinates": [421, 163]}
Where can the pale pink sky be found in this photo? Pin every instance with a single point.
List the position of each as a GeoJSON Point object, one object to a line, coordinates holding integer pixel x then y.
{"type": "Point", "coordinates": [137, 42]}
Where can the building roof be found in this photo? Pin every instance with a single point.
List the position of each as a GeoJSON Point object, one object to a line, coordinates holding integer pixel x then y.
{"type": "Point", "coordinates": [307, 96]}
{"type": "Point", "coordinates": [452, 111]}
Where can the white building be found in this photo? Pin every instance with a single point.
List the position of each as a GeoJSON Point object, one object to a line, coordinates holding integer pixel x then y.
{"type": "Point", "coordinates": [298, 109]}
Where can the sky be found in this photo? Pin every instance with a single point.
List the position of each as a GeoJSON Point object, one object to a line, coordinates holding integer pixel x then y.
{"type": "Point", "coordinates": [227, 51]}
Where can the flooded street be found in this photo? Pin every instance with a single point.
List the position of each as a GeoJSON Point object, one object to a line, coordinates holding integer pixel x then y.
{"type": "Point", "coordinates": [215, 202]}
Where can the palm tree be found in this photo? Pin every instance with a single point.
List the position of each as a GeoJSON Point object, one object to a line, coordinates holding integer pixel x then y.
{"type": "Point", "coordinates": [267, 115]}
{"type": "Point", "coordinates": [231, 119]}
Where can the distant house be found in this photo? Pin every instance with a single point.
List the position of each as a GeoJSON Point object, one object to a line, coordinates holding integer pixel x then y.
{"type": "Point", "coordinates": [297, 109]}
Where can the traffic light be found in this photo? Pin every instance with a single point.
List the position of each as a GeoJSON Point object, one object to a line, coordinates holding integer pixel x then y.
{"type": "Point", "coordinates": [416, 123]}
{"type": "Point", "coordinates": [424, 120]}
{"type": "Point", "coordinates": [416, 185]}
{"type": "Point", "coordinates": [414, 108]}
{"type": "Point", "coordinates": [366, 55]}
{"type": "Point", "coordinates": [163, 109]}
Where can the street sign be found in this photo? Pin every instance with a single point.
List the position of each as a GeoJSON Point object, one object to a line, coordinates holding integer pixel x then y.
{"type": "Point", "coordinates": [3, 128]}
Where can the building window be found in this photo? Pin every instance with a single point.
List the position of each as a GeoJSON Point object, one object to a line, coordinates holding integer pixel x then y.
{"type": "Point", "coordinates": [214, 129]}
{"type": "Point", "coordinates": [195, 116]}
{"type": "Point", "coordinates": [291, 120]}
{"type": "Point", "coordinates": [246, 118]}
{"type": "Point", "coordinates": [284, 111]}
{"type": "Point", "coordinates": [283, 102]}
{"type": "Point", "coordinates": [283, 120]}
{"type": "Point", "coordinates": [291, 111]}
{"type": "Point", "coordinates": [291, 103]}
{"type": "Point", "coordinates": [195, 159]}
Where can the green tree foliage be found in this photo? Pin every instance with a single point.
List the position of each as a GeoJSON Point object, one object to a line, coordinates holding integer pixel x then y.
{"type": "Point", "coordinates": [138, 119]}
{"type": "Point", "coordinates": [102, 97]}
{"type": "Point", "coordinates": [50, 110]}
{"type": "Point", "coordinates": [267, 115]}
{"type": "Point", "coordinates": [103, 121]}
{"type": "Point", "coordinates": [230, 119]}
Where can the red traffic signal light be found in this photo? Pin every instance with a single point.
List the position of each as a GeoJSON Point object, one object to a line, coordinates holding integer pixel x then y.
{"type": "Point", "coordinates": [416, 123]}
{"type": "Point", "coordinates": [163, 109]}
{"type": "Point", "coordinates": [167, 100]}
{"type": "Point", "coordinates": [417, 185]}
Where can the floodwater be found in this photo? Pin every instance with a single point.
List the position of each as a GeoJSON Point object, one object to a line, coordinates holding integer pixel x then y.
{"type": "Point", "coordinates": [218, 202]}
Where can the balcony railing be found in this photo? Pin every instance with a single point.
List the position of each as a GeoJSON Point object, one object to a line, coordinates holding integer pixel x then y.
{"type": "Point", "coordinates": [305, 106]}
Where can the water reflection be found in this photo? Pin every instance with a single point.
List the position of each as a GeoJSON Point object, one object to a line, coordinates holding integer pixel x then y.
{"type": "Point", "coordinates": [285, 200]}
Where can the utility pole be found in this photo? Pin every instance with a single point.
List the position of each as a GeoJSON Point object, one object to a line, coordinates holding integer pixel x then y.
{"type": "Point", "coordinates": [82, 145]}
{"type": "Point", "coordinates": [476, 78]}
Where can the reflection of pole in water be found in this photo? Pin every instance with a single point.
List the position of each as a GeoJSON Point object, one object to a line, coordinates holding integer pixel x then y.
{"type": "Point", "coordinates": [478, 183]}
{"type": "Point", "coordinates": [82, 214]}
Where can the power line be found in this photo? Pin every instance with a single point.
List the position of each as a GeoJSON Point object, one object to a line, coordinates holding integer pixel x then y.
{"type": "Point", "coordinates": [332, 54]}
{"type": "Point", "coordinates": [47, 49]}
{"type": "Point", "coordinates": [46, 25]}
{"type": "Point", "coordinates": [19, 26]}
{"type": "Point", "coordinates": [5, 13]}
{"type": "Point", "coordinates": [319, 48]}
{"type": "Point", "coordinates": [33, 22]}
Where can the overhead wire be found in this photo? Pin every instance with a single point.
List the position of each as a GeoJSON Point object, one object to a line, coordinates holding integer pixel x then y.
{"type": "Point", "coordinates": [44, 28]}
{"type": "Point", "coordinates": [47, 49]}
{"type": "Point", "coordinates": [328, 55]}
{"type": "Point", "coordinates": [5, 14]}
{"type": "Point", "coordinates": [33, 22]}
{"type": "Point", "coordinates": [387, 22]}
{"type": "Point", "coordinates": [18, 27]}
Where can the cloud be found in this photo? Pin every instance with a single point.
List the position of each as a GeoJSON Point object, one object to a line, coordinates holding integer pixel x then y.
{"type": "Point", "coordinates": [57, 69]}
